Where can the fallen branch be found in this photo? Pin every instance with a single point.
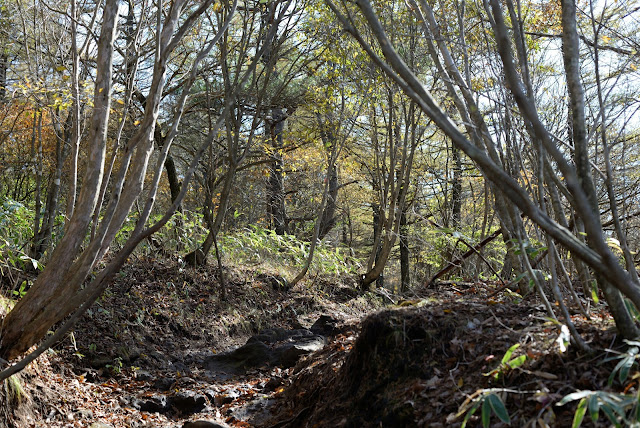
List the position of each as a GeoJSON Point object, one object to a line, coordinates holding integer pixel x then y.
{"type": "Point", "coordinates": [472, 250]}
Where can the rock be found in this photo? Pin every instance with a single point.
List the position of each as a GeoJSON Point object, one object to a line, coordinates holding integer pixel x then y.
{"type": "Point", "coordinates": [153, 404]}
{"type": "Point", "coordinates": [275, 347]}
{"type": "Point", "coordinates": [188, 402]}
{"type": "Point", "coordinates": [164, 383]}
{"type": "Point", "coordinates": [269, 336]}
{"type": "Point", "coordinates": [143, 375]}
{"type": "Point", "coordinates": [205, 424]}
{"type": "Point", "coordinates": [84, 414]}
{"type": "Point", "coordinates": [226, 397]}
{"type": "Point", "coordinates": [100, 425]}
{"type": "Point", "coordinates": [252, 354]}
{"type": "Point", "coordinates": [273, 383]}
{"type": "Point", "coordinates": [326, 325]}
{"type": "Point", "coordinates": [291, 352]}
{"type": "Point", "coordinates": [255, 412]}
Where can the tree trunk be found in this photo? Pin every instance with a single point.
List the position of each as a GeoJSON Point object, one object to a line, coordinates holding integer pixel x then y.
{"type": "Point", "coordinates": [42, 239]}
{"type": "Point", "coordinates": [456, 188]}
{"type": "Point", "coordinates": [47, 302]}
{"type": "Point", "coordinates": [405, 268]}
{"type": "Point", "coordinates": [329, 140]}
{"type": "Point", "coordinates": [4, 65]}
{"type": "Point", "coordinates": [170, 167]}
{"type": "Point", "coordinates": [275, 183]}
{"type": "Point", "coordinates": [198, 257]}
{"type": "Point", "coordinates": [571, 56]}
{"type": "Point", "coordinates": [329, 213]}
{"type": "Point", "coordinates": [378, 267]}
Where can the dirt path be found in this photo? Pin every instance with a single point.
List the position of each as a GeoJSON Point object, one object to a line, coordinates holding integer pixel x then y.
{"type": "Point", "coordinates": [149, 354]}
{"type": "Point", "coordinates": [139, 357]}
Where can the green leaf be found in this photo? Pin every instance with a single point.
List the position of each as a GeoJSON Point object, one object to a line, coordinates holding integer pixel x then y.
{"type": "Point", "coordinates": [594, 408]}
{"type": "Point", "coordinates": [627, 363]}
{"type": "Point", "coordinates": [498, 408]}
{"type": "Point", "coordinates": [615, 402]}
{"type": "Point", "coordinates": [607, 411]}
{"type": "Point", "coordinates": [486, 413]}
{"type": "Point", "coordinates": [517, 362]}
{"type": "Point", "coordinates": [469, 414]}
{"type": "Point", "coordinates": [612, 376]}
{"type": "Point", "coordinates": [507, 355]}
{"type": "Point", "coordinates": [579, 414]}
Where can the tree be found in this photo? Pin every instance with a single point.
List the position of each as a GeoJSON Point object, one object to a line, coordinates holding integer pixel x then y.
{"type": "Point", "coordinates": [251, 118]}
{"type": "Point", "coordinates": [596, 253]}
{"type": "Point", "coordinates": [58, 290]}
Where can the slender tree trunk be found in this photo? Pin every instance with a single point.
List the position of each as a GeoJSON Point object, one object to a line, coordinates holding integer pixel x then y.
{"type": "Point", "coordinates": [571, 56]}
{"type": "Point", "coordinates": [198, 257]}
{"type": "Point", "coordinates": [329, 213]}
{"type": "Point", "coordinates": [378, 267]}
{"type": "Point", "coordinates": [42, 239]}
{"type": "Point", "coordinates": [38, 167]}
{"type": "Point", "coordinates": [405, 268]}
{"type": "Point", "coordinates": [44, 304]}
{"type": "Point", "coordinates": [275, 183]}
{"type": "Point", "coordinates": [4, 65]}
{"type": "Point", "coordinates": [75, 92]}
{"type": "Point", "coordinates": [329, 139]}
{"type": "Point", "coordinates": [456, 188]}
{"type": "Point", "coordinates": [170, 167]}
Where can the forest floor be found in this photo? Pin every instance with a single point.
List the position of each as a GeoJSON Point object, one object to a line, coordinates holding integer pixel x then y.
{"type": "Point", "coordinates": [153, 352]}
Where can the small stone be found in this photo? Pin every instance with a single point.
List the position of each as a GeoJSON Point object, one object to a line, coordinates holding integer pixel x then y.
{"type": "Point", "coordinates": [84, 414]}
{"type": "Point", "coordinates": [100, 425]}
{"type": "Point", "coordinates": [188, 402]}
{"type": "Point", "coordinates": [290, 353]}
{"type": "Point", "coordinates": [143, 375]}
{"type": "Point", "coordinates": [205, 424]}
{"type": "Point", "coordinates": [153, 404]}
{"type": "Point", "coordinates": [164, 384]}
{"type": "Point", "coordinates": [226, 397]}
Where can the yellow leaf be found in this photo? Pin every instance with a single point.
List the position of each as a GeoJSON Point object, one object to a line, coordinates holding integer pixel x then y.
{"type": "Point", "coordinates": [136, 123]}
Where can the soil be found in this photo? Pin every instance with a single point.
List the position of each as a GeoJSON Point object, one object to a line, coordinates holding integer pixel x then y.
{"type": "Point", "coordinates": [141, 357]}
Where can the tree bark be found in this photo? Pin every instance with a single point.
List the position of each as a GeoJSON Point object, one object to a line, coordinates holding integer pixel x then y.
{"type": "Point", "coordinates": [4, 65]}
{"type": "Point", "coordinates": [598, 255]}
{"type": "Point", "coordinates": [58, 290]}
{"type": "Point", "coordinates": [44, 304]}
{"type": "Point", "coordinates": [571, 56]}
{"type": "Point", "coordinates": [275, 183]}
{"type": "Point", "coordinates": [405, 267]}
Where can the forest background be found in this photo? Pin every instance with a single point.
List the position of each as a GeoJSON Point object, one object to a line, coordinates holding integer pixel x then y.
{"type": "Point", "coordinates": [387, 141]}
